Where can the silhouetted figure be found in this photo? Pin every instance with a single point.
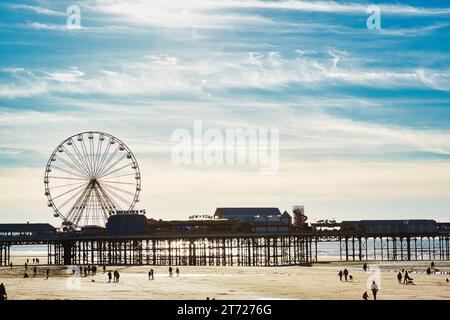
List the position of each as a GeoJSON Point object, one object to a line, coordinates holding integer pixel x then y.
{"type": "Point", "coordinates": [399, 277]}
{"type": "Point", "coordinates": [37, 260]}
{"type": "Point", "coordinates": [26, 266]}
{"type": "Point", "coordinates": [374, 288]}
{"type": "Point", "coordinates": [365, 267]}
{"type": "Point", "coordinates": [432, 264]}
{"type": "Point", "coordinates": [116, 276]}
{"type": "Point", "coordinates": [34, 271]}
{"type": "Point", "coordinates": [11, 265]}
{"type": "Point", "coordinates": [47, 273]}
{"type": "Point", "coordinates": [109, 276]}
{"type": "Point", "coordinates": [152, 274]}
{"type": "Point", "coordinates": [25, 275]}
{"type": "Point", "coordinates": [340, 274]}
{"type": "Point", "coordinates": [34, 260]}
{"type": "Point", "coordinates": [3, 295]}
{"type": "Point", "coordinates": [177, 271]}
{"type": "Point", "coordinates": [28, 261]}
{"type": "Point", "coordinates": [94, 270]}
{"type": "Point", "coordinates": [85, 271]}
{"type": "Point", "coordinates": [447, 280]}
{"type": "Point", "coordinates": [104, 269]}
{"type": "Point", "coordinates": [406, 278]}
{"type": "Point", "coordinates": [365, 296]}
{"type": "Point", "coordinates": [170, 271]}
{"type": "Point", "coordinates": [345, 274]}
{"type": "Point", "coordinates": [350, 277]}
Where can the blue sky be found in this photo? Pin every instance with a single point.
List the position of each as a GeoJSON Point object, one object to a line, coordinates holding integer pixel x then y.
{"type": "Point", "coordinates": [364, 115]}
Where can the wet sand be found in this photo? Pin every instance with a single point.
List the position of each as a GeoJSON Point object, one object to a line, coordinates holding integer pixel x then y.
{"type": "Point", "coordinates": [319, 281]}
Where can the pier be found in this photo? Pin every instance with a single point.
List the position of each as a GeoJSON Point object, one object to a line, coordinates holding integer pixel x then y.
{"type": "Point", "coordinates": [264, 249]}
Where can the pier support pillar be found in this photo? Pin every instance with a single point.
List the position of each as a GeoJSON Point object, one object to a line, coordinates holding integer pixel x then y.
{"type": "Point", "coordinates": [67, 247]}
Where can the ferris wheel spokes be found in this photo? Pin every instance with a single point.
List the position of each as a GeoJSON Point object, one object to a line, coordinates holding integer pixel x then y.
{"type": "Point", "coordinates": [101, 174]}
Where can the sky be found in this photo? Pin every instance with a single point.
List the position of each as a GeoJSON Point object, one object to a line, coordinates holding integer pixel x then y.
{"type": "Point", "coordinates": [363, 114]}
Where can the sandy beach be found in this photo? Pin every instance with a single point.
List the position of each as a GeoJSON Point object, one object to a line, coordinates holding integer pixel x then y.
{"type": "Point", "coordinates": [319, 281]}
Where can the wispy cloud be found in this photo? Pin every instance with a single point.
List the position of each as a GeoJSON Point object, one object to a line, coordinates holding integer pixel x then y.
{"type": "Point", "coordinates": [195, 12]}
{"type": "Point", "coordinates": [35, 9]}
{"type": "Point", "coordinates": [270, 71]}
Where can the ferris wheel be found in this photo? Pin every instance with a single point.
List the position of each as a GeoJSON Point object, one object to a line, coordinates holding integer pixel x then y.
{"type": "Point", "coordinates": [90, 176]}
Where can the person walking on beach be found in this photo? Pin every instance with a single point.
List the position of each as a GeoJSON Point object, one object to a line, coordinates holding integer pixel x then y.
{"type": "Point", "coordinates": [104, 269]}
{"type": "Point", "coordinates": [365, 267]}
{"type": "Point", "coordinates": [3, 295]}
{"type": "Point", "coordinates": [34, 271]}
{"type": "Point", "coordinates": [177, 272]}
{"type": "Point", "coordinates": [405, 277]}
{"type": "Point", "coordinates": [374, 288]}
{"type": "Point", "coordinates": [47, 273]}
{"type": "Point", "coordinates": [345, 274]}
{"type": "Point", "coordinates": [34, 260]}
{"type": "Point", "coordinates": [340, 275]}
{"type": "Point", "coordinates": [26, 266]}
{"type": "Point", "coordinates": [365, 296]}
{"type": "Point", "coordinates": [399, 277]}
{"type": "Point", "coordinates": [109, 276]}
{"type": "Point", "coordinates": [152, 274]}
{"type": "Point", "coordinates": [170, 271]}
{"type": "Point", "coordinates": [11, 265]}
{"type": "Point", "coordinates": [116, 276]}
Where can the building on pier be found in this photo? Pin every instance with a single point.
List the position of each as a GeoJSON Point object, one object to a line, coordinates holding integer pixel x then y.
{"type": "Point", "coordinates": [246, 215]}
{"type": "Point", "coordinates": [391, 226]}
{"type": "Point", "coordinates": [26, 229]}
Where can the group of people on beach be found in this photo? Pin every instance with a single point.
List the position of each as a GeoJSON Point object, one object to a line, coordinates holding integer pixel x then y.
{"type": "Point", "coordinates": [25, 275]}
{"type": "Point", "coordinates": [116, 276]}
{"type": "Point", "coordinates": [374, 289]}
{"type": "Point", "coordinates": [404, 275]}
{"type": "Point", "coordinates": [89, 270]}
{"type": "Point", "coordinates": [177, 271]}
{"type": "Point", "coordinates": [151, 273]}
{"type": "Point", "coordinates": [344, 274]}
